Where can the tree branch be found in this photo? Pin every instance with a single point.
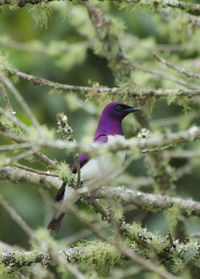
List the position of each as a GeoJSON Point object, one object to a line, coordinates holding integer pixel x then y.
{"type": "Point", "coordinates": [22, 3]}
{"type": "Point", "coordinates": [132, 92]}
{"type": "Point", "coordinates": [141, 200]}
{"type": "Point", "coordinates": [132, 144]}
{"type": "Point", "coordinates": [17, 175]}
{"type": "Point", "coordinates": [191, 8]}
{"type": "Point", "coordinates": [149, 202]}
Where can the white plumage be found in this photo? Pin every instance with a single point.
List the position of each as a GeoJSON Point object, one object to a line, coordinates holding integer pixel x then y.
{"type": "Point", "coordinates": [95, 173]}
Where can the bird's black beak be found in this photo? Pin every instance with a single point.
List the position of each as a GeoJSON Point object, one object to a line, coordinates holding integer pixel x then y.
{"type": "Point", "coordinates": [132, 109]}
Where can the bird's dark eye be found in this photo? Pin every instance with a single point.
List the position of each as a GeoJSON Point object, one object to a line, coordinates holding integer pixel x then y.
{"type": "Point", "coordinates": [119, 108]}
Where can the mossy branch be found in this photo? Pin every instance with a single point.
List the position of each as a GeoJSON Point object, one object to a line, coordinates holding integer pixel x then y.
{"type": "Point", "coordinates": [191, 8]}
{"type": "Point", "coordinates": [129, 91]}
{"type": "Point", "coordinates": [149, 202]}
{"type": "Point", "coordinates": [155, 143]}
{"type": "Point", "coordinates": [22, 3]}
{"type": "Point", "coordinates": [18, 175]}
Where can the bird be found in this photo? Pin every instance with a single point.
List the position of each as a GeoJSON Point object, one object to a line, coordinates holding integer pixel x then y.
{"type": "Point", "coordinates": [98, 170]}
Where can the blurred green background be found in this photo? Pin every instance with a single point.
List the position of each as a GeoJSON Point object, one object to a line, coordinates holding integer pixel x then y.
{"type": "Point", "coordinates": [60, 44]}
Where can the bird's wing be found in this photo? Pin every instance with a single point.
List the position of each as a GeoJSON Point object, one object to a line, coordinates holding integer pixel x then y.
{"type": "Point", "coordinates": [83, 159]}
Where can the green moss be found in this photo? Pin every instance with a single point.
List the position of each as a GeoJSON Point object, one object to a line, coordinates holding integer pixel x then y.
{"type": "Point", "coordinates": [148, 5]}
{"type": "Point", "coordinates": [183, 254]}
{"type": "Point", "coordinates": [5, 273]}
{"type": "Point", "coordinates": [97, 256]}
{"type": "Point", "coordinates": [7, 122]}
{"type": "Point", "coordinates": [173, 215]}
{"type": "Point", "coordinates": [64, 172]}
{"type": "Point", "coordinates": [41, 13]}
{"type": "Point", "coordinates": [142, 235]}
{"type": "Point", "coordinates": [180, 28]}
{"type": "Point", "coordinates": [24, 260]}
{"type": "Point", "coordinates": [117, 27]}
{"type": "Point", "coordinates": [191, 251]}
{"type": "Point", "coordinates": [13, 5]}
{"type": "Point", "coordinates": [178, 264]}
{"type": "Point", "coordinates": [171, 98]}
{"type": "Point", "coordinates": [4, 61]}
{"type": "Point", "coordinates": [185, 103]}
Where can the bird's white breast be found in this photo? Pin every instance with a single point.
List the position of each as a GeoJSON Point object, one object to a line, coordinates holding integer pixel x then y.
{"type": "Point", "coordinates": [98, 171]}
{"type": "Point", "coordinates": [95, 173]}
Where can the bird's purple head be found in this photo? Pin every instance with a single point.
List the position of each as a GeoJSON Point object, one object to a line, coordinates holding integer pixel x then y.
{"type": "Point", "coordinates": [111, 118]}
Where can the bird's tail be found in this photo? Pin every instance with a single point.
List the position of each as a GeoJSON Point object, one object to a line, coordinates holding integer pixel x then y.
{"type": "Point", "coordinates": [66, 196]}
{"type": "Point", "coordinates": [56, 221]}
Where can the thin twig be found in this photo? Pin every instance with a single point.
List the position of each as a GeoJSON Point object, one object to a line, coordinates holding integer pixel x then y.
{"type": "Point", "coordinates": [163, 75]}
{"type": "Point", "coordinates": [3, 90]}
{"type": "Point", "coordinates": [21, 156]}
{"type": "Point", "coordinates": [15, 120]}
{"type": "Point", "coordinates": [78, 170]}
{"type": "Point", "coordinates": [4, 132]}
{"type": "Point", "coordinates": [175, 68]}
{"type": "Point", "coordinates": [21, 100]}
{"type": "Point", "coordinates": [46, 173]}
{"type": "Point", "coordinates": [15, 146]}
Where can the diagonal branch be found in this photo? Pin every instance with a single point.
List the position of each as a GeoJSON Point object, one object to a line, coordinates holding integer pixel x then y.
{"type": "Point", "coordinates": [177, 69]}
